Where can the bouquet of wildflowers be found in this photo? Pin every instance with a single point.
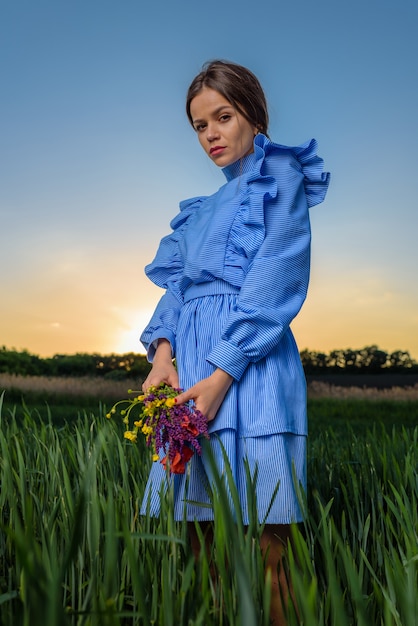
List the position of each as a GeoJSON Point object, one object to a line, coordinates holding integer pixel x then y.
{"type": "Point", "coordinates": [171, 429]}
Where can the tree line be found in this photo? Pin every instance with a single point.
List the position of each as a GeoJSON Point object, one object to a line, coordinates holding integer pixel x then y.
{"type": "Point", "coordinates": [113, 366]}
{"type": "Point", "coordinates": [368, 360]}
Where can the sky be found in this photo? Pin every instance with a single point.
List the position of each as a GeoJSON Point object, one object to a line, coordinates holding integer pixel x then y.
{"type": "Point", "coordinates": [96, 153]}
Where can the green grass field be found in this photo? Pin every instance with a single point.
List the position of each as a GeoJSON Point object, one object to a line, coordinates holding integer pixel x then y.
{"type": "Point", "coordinates": [74, 550]}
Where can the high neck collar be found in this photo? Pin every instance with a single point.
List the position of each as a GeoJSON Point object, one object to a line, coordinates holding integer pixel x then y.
{"type": "Point", "coordinates": [243, 165]}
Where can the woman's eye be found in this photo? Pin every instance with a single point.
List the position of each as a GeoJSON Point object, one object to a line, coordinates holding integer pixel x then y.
{"type": "Point", "coordinates": [225, 117]}
{"type": "Point", "coordinates": [199, 127]}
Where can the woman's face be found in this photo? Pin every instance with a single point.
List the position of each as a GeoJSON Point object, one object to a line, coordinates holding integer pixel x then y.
{"type": "Point", "coordinates": [224, 134]}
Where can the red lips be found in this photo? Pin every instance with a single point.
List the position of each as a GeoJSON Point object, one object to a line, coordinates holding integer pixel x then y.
{"type": "Point", "coordinates": [216, 150]}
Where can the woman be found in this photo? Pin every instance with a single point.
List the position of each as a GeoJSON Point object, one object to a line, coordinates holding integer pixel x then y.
{"type": "Point", "coordinates": [235, 271]}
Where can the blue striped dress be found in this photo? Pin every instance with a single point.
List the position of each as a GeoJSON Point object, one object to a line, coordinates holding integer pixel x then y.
{"type": "Point", "coordinates": [235, 270]}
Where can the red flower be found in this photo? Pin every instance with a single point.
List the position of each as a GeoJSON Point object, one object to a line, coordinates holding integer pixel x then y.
{"type": "Point", "coordinates": [186, 424]}
{"type": "Point", "coordinates": [178, 464]}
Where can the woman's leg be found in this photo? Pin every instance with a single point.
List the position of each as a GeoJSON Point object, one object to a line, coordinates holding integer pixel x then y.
{"type": "Point", "coordinates": [207, 531]}
{"type": "Point", "coordinates": [274, 546]}
{"type": "Point", "coordinates": [273, 543]}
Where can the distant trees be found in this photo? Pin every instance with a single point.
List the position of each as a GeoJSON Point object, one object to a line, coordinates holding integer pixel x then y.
{"type": "Point", "coordinates": [23, 363]}
{"type": "Point", "coordinates": [116, 366]}
{"type": "Point", "coordinates": [371, 360]}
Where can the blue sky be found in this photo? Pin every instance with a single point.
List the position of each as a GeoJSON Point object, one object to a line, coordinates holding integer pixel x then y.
{"type": "Point", "coordinates": [96, 152]}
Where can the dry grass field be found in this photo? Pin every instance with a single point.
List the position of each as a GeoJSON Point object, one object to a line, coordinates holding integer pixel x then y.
{"type": "Point", "coordinates": [100, 388]}
{"type": "Point", "coordinates": [108, 390]}
{"type": "Point", "coordinates": [318, 389]}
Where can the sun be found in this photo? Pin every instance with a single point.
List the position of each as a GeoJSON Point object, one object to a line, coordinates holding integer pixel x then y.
{"type": "Point", "coordinates": [127, 339]}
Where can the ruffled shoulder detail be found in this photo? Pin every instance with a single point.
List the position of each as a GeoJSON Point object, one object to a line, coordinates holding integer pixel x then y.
{"type": "Point", "coordinates": [187, 207]}
{"type": "Point", "coordinates": [268, 173]}
{"type": "Point", "coordinates": [167, 264]}
{"type": "Point", "coordinates": [315, 180]}
{"type": "Point", "coordinates": [248, 228]}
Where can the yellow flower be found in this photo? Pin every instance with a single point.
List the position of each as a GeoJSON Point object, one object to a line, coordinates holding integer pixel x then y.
{"type": "Point", "coordinates": [138, 424]}
{"type": "Point", "coordinates": [155, 457]}
{"type": "Point", "coordinates": [128, 434]}
{"type": "Point", "coordinates": [170, 402]}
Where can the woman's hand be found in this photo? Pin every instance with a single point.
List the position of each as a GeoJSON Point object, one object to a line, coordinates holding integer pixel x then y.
{"type": "Point", "coordinates": [163, 370]}
{"type": "Point", "coordinates": [208, 394]}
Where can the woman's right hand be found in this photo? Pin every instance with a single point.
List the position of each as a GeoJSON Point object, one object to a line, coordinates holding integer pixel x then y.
{"type": "Point", "coordinates": [163, 370]}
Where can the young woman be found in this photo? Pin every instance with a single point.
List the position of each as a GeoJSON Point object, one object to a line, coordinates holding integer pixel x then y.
{"type": "Point", "coordinates": [235, 270]}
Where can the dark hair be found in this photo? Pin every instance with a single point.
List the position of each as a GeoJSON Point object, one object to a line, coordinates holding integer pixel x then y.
{"type": "Point", "coordinates": [238, 85]}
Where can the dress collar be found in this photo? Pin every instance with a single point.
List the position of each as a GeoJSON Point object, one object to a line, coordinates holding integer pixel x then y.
{"type": "Point", "coordinates": [242, 166]}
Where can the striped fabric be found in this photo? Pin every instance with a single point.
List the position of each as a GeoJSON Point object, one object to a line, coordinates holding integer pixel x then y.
{"type": "Point", "coordinates": [280, 459]}
{"type": "Point", "coordinates": [236, 272]}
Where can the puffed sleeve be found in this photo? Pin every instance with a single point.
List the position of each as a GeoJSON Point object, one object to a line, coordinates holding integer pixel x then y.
{"type": "Point", "coordinates": [287, 183]}
{"type": "Point", "coordinates": [166, 271]}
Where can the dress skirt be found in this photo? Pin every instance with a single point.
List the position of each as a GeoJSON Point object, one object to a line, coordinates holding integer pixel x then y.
{"type": "Point", "coordinates": [260, 427]}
